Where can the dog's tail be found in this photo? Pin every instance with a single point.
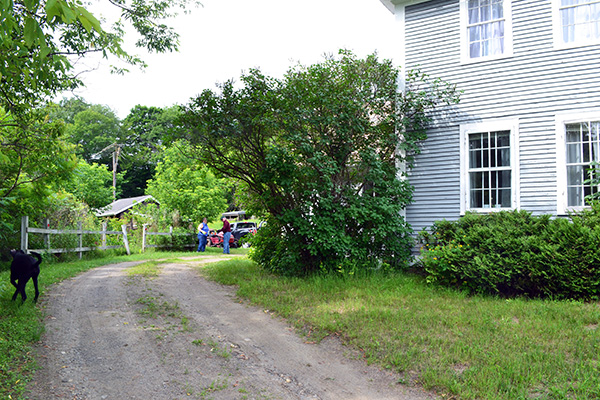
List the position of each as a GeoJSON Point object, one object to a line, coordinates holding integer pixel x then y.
{"type": "Point", "coordinates": [38, 256]}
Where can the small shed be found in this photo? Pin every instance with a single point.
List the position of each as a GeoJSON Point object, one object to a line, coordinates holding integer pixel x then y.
{"type": "Point", "coordinates": [239, 215]}
{"type": "Point", "coordinates": [117, 208]}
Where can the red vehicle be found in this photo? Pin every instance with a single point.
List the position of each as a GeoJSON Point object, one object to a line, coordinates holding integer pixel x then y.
{"type": "Point", "coordinates": [216, 239]}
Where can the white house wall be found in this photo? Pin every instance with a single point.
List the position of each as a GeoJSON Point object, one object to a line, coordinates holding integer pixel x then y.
{"type": "Point", "coordinates": [532, 86]}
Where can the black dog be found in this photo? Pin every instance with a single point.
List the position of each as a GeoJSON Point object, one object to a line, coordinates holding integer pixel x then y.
{"type": "Point", "coordinates": [23, 268]}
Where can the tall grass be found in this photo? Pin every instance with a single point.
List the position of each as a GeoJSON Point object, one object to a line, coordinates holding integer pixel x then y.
{"type": "Point", "coordinates": [467, 347]}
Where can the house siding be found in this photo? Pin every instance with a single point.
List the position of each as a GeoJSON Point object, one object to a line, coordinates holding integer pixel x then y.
{"type": "Point", "coordinates": [533, 85]}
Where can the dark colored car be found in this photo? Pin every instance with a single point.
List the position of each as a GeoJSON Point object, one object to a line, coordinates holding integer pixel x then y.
{"type": "Point", "coordinates": [241, 229]}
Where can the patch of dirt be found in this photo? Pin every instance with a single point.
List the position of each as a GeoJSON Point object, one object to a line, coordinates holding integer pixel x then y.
{"type": "Point", "coordinates": [179, 336]}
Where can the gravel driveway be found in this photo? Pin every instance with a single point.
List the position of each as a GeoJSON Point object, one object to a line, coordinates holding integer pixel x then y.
{"type": "Point", "coordinates": [179, 336]}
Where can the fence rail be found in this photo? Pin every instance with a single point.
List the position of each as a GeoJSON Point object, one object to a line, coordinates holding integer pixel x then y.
{"type": "Point", "coordinates": [26, 230]}
{"type": "Point", "coordinates": [47, 232]}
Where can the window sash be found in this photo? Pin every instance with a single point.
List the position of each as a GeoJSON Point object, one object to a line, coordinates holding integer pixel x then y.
{"type": "Point", "coordinates": [579, 20]}
{"type": "Point", "coordinates": [582, 141]}
{"type": "Point", "coordinates": [489, 170]}
{"type": "Point", "coordinates": [485, 28]}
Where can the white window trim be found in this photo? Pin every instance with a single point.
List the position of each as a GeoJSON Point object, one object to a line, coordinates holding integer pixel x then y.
{"type": "Point", "coordinates": [508, 35]}
{"type": "Point", "coordinates": [558, 34]}
{"type": "Point", "coordinates": [503, 124]}
{"type": "Point", "coordinates": [561, 119]}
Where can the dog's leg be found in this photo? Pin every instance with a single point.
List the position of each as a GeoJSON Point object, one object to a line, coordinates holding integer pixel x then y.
{"type": "Point", "coordinates": [21, 289]}
{"type": "Point", "coordinates": [35, 285]}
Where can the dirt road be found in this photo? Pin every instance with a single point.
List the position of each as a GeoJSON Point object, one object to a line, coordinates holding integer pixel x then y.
{"type": "Point", "coordinates": [178, 336]}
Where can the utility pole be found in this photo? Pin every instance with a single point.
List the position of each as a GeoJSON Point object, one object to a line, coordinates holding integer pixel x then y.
{"type": "Point", "coordinates": [115, 156]}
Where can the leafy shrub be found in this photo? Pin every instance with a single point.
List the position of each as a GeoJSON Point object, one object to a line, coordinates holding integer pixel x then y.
{"type": "Point", "coordinates": [513, 253]}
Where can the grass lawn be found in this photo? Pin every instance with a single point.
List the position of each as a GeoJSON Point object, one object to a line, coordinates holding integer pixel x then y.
{"type": "Point", "coordinates": [460, 346]}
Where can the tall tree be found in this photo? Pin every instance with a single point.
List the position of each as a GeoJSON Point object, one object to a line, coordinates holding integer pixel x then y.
{"type": "Point", "coordinates": [92, 130]}
{"type": "Point", "coordinates": [142, 134]}
{"type": "Point", "coordinates": [91, 184]}
{"type": "Point", "coordinates": [318, 151]}
{"type": "Point", "coordinates": [187, 187]}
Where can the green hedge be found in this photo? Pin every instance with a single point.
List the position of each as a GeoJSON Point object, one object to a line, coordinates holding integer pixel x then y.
{"type": "Point", "coordinates": [514, 253]}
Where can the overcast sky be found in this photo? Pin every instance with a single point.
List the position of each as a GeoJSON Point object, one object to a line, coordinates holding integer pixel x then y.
{"type": "Point", "coordinates": [226, 37]}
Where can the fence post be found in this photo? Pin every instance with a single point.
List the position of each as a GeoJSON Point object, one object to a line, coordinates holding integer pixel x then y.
{"type": "Point", "coordinates": [125, 241]}
{"type": "Point", "coordinates": [47, 235]}
{"type": "Point", "coordinates": [171, 233]}
{"type": "Point", "coordinates": [104, 225]}
{"type": "Point", "coordinates": [24, 239]}
{"type": "Point", "coordinates": [144, 227]}
{"type": "Point", "coordinates": [80, 238]}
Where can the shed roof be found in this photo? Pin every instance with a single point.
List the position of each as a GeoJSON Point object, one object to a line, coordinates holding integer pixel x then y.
{"type": "Point", "coordinates": [117, 207]}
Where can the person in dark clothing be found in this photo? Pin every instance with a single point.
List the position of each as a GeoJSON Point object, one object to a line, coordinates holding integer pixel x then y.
{"type": "Point", "coordinates": [226, 229]}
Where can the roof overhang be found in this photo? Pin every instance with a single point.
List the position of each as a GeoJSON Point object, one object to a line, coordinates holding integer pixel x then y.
{"type": "Point", "coordinates": [391, 4]}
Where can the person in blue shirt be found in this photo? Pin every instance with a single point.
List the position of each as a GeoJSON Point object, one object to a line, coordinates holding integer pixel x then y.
{"type": "Point", "coordinates": [202, 235]}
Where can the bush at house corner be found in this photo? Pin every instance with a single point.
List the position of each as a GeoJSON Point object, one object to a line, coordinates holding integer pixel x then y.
{"type": "Point", "coordinates": [514, 253]}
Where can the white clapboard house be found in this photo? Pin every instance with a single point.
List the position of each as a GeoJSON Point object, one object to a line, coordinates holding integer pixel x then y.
{"type": "Point", "coordinates": [528, 122]}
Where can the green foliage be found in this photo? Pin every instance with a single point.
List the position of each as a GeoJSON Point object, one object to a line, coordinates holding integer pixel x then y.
{"type": "Point", "coordinates": [317, 153]}
{"type": "Point", "coordinates": [516, 253]}
{"type": "Point", "coordinates": [93, 129]}
{"type": "Point", "coordinates": [33, 160]}
{"type": "Point", "coordinates": [92, 184]}
{"type": "Point", "coordinates": [182, 185]}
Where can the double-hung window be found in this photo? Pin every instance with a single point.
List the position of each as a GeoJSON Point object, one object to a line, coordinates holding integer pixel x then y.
{"type": "Point", "coordinates": [583, 147]}
{"type": "Point", "coordinates": [578, 21]}
{"type": "Point", "coordinates": [578, 146]}
{"type": "Point", "coordinates": [489, 167]}
{"type": "Point", "coordinates": [485, 29]}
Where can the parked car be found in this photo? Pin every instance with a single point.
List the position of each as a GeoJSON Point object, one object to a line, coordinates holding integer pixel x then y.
{"type": "Point", "coordinates": [241, 229]}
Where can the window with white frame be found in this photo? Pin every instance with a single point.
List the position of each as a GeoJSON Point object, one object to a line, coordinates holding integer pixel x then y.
{"type": "Point", "coordinates": [579, 21]}
{"type": "Point", "coordinates": [486, 29]}
{"type": "Point", "coordinates": [582, 141]}
{"type": "Point", "coordinates": [488, 170]}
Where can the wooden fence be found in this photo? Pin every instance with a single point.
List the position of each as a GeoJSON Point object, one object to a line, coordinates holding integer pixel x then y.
{"type": "Point", "coordinates": [47, 232]}
{"type": "Point", "coordinates": [26, 230]}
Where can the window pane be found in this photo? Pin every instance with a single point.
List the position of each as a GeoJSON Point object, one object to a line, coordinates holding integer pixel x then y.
{"type": "Point", "coordinates": [475, 50]}
{"type": "Point", "coordinates": [505, 198]}
{"type": "Point", "coordinates": [497, 10]}
{"type": "Point", "coordinates": [503, 139]}
{"type": "Point", "coordinates": [573, 153]}
{"type": "Point", "coordinates": [574, 175]}
{"type": "Point", "coordinates": [573, 133]}
{"type": "Point", "coordinates": [574, 195]}
{"type": "Point", "coordinates": [504, 158]}
{"type": "Point", "coordinates": [475, 159]}
{"type": "Point", "coordinates": [476, 180]}
{"type": "Point", "coordinates": [476, 199]}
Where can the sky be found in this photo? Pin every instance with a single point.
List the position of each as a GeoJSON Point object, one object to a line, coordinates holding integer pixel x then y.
{"type": "Point", "coordinates": [224, 38]}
